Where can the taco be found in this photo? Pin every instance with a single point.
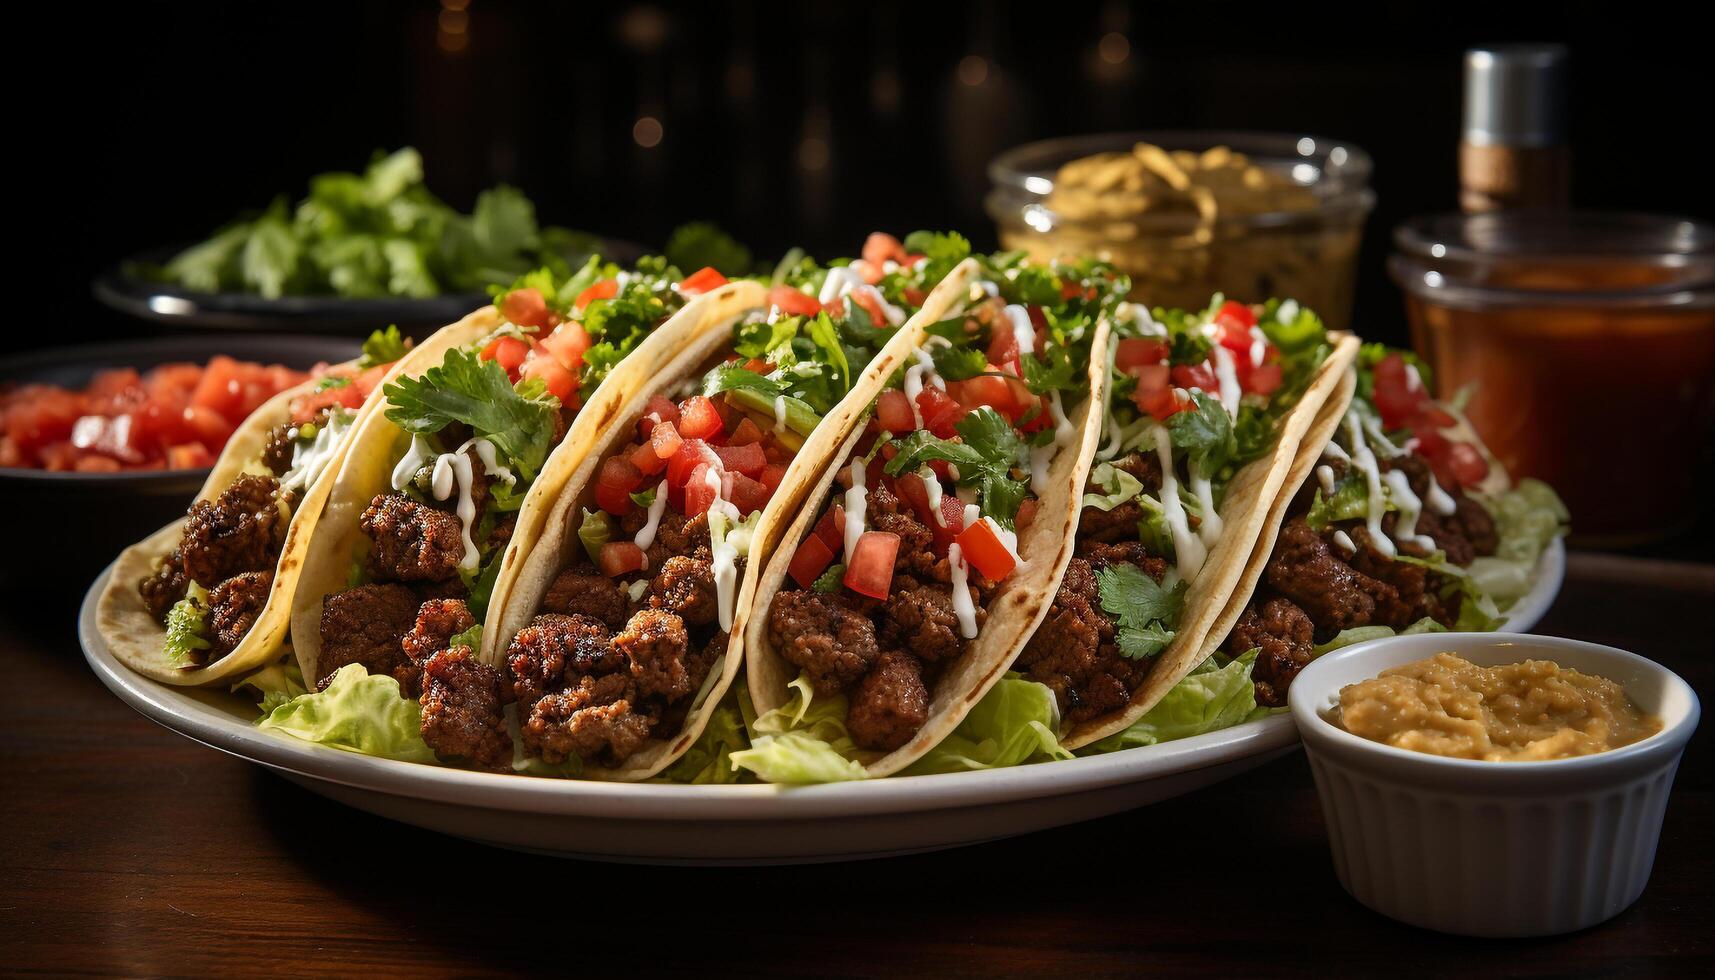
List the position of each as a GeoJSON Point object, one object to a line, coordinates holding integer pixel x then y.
{"type": "Point", "coordinates": [427, 502]}
{"type": "Point", "coordinates": [1205, 413]}
{"type": "Point", "coordinates": [209, 596]}
{"type": "Point", "coordinates": [1395, 518]}
{"type": "Point", "coordinates": [624, 624]}
{"type": "Point", "coordinates": [900, 598]}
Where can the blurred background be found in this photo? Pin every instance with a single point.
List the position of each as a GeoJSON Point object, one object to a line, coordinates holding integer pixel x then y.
{"type": "Point", "coordinates": [813, 124]}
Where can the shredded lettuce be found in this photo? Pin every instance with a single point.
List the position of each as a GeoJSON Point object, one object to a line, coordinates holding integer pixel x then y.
{"type": "Point", "coordinates": [1016, 722]}
{"type": "Point", "coordinates": [594, 530]}
{"type": "Point", "coordinates": [802, 741]}
{"type": "Point", "coordinates": [1116, 484]}
{"type": "Point", "coordinates": [186, 628]}
{"type": "Point", "coordinates": [709, 759]}
{"type": "Point", "coordinates": [1527, 518]}
{"type": "Point", "coordinates": [1212, 697]}
{"type": "Point", "coordinates": [359, 712]}
{"type": "Point", "coordinates": [274, 684]}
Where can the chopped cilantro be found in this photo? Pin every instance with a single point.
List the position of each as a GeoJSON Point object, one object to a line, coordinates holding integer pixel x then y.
{"type": "Point", "coordinates": [465, 388]}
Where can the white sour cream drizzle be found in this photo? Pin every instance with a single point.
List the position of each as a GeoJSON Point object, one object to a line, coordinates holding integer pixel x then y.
{"type": "Point", "coordinates": [779, 414]}
{"type": "Point", "coordinates": [1187, 547]}
{"type": "Point", "coordinates": [1042, 456]}
{"type": "Point", "coordinates": [915, 376]}
{"type": "Point", "coordinates": [1325, 476]}
{"type": "Point", "coordinates": [932, 488]}
{"type": "Point", "coordinates": [845, 280]}
{"type": "Point", "coordinates": [963, 609]}
{"type": "Point", "coordinates": [1023, 332]}
{"type": "Point", "coordinates": [1439, 501]}
{"type": "Point", "coordinates": [1344, 540]}
{"type": "Point", "coordinates": [725, 544]}
{"type": "Point", "coordinates": [1405, 528]}
{"type": "Point", "coordinates": [1259, 347]}
{"type": "Point", "coordinates": [857, 500]}
{"type": "Point", "coordinates": [308, 461]}
{"type": "Point", "coordinates": [1366, 462]}
{"type": "Point", "coordinates": [1228, 378]}
{"type": "Point", "coordinates": [1210, 527]}
{"type": "Point", "coordinates": [453, 471]}
{"type": "Point", "coordinates": [657, 507]}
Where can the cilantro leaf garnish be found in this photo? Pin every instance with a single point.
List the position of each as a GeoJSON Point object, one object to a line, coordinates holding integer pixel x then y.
{"type": "Point", "coordinates": [985, 453]}
{"type": "Point", "coordinates": [1050, 370]}
{"type": "Point", "coordinates": [1145, 610]}
{"type": "Point", "coordinates": [942, 249]}
{"type": "Point", "coordinates": [1204, 434]}
{"type": "Point", "coordinates": [465, 388]}
{"type": "Point", "coordinates": [959, 363]}
{"type": "Point", "coordinates": [332, 381]}
{"type": "Point", "coordinates": [382, 347]}
{"type": "Point", "coordinates": [830, 580]}
{"type": "Point", "coordinates": [821, 330]}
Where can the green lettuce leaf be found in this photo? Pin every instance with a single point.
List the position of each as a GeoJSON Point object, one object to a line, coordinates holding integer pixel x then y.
{"type": "Point", "coordinates": [1116, 484]}
{"type": "Point", "coordinates": [359, 712]}
{"type": "Point", "coordinates": [1210, 698]}
{"type": "Point", "coordinates": [803, 741]}
{"type": "Point", "coordinates": [1527, 518]}
{"type": "Point", "coordinates": [709, 759]}
{"type": "Point", "coordinates": [1016, 722]}
{"type": "Point", "coordinates": [274, 684]}
{"type": "Point", "coordinates": [186, 628]}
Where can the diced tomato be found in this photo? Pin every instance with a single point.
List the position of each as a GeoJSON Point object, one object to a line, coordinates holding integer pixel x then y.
{"type": "Point", "coordinates": [1026, 514]}
{"type": "Point", "coordinates": [561, 382]}
{"type": "Point", "coordinates": [703, 280]}
{"type": "Point", "coordinates": [1236, 312]}
{"type": "Point", "coordinates": [757, 365]}
{"type": "Point", "coordinates": [692, 453]}
{"type": "Point", "coordinates": [793, 302]}
{"type": "Point", "coordinates": [915, 296]}
{"type": "Point", "coordinates": [1395, 398]}
{"type": "Point", "coordinates": [1263, 380]}
{"type": "Point", "coordinates": [809, 562]}
{"type": "Point", "coordinates": [867, 299]}
{"type": "Point", "coordinates": [606, 289]}
{"type": "Point", "coordinates": [621, 557]}
{"type": "Point", "coordinates": [835, 308]}
{"type": "Point", "coordinates": [699, 493]}
{"type": "Point", "coordinates": [219, 389]}
{"type": "Point", "coordinates": [659, 409]}
{"type": "Point", "coordinates": [746, 433]}
{"type": "Point", "coordinates": [643, 457]}
{"type": "Point", "coordinates": [1466, 464]}
{"type": "Point", "coordinates": [96, 464]}
{"type": "Point", "coordinates": [941, 414]}
{"type": "Point", "coordinates": [208, 427]}
{"type": "Point", "coordinates": [748, 495]}
{"type": "Point", "coordinates": [1196, 376]}
{"type": "Point", "coordinates": [832, 528]}
{"type": "Point", "coordinates": [909, 488]}
{"type": "Point", "coordinates": [526, 307]}
{"type": "Point", "coordinates": [190, 456]}
{"type": "Point", "coordinates": [508, 352]}
{"type": "Point", "coordinates": [699, 419]}
{"type": "Point", "coordinates": [772, 476]}
{"type": "Point", "coordinates": [893, 411]}
{"type": "Point", "coordinates": [880, 247]}
{"type": "Point", "coordinates": [984, 389]}
{"type": "Point", "coordinates": [747, 459]}
{"type": "Point", "coordinates": [615, 483]}
{"type": "Point", "coordinates": [1162, 403]}
{"type": "Point", "coordinates": [984, 549]}
{"type": "Point", "coordinates": [664, 440]}
{"type": "Point", "coordinates": [1431, 415]}
{"type": "Point", "coordinates": [1152, 378]}
{"type": "Point", "coordinates": [1003, 346]}
{"type": "Point", "coordinates": [871, 570]}
{"type": "Point", "coordinates": [567, 343]}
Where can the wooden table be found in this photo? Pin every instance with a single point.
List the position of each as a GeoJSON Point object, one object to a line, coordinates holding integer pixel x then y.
{"type": "Point", "coordinates": [127, 849]}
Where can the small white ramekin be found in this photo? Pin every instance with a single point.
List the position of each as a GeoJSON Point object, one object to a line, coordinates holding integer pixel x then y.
{"type": "Point", "coordinates": [1492, 848]}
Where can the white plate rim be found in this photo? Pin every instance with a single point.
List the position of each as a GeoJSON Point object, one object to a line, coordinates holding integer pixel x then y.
{"type": "Point", "coordinates": [165, 705]}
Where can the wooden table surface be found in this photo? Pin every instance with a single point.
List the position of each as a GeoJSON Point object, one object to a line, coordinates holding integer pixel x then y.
{"type": "Point", "coordinates": [127, 849]}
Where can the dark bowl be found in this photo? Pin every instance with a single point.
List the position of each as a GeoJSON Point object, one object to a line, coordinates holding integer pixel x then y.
{"type": "Point", "coordinates": [176, 308]}
{"type": "Point", "coordinates": [72, 524]}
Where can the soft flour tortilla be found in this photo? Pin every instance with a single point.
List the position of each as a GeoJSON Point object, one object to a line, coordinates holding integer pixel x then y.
{"type": "Point", "coordinates": [377, 445]}
{"type": "Point", "coordinates": [137, 638]}
{"type": "Point", "coordinates": [1309, 451]}
{"type": "Point", "coordinates": [1014, 612]}
{"type": "Point", "coordinates": [558, 545]}
{"type": "Point", "coordinates": [1245, 513]}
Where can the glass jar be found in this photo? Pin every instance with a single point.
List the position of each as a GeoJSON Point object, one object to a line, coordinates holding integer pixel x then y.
{"type": "Point", "coordinates": [1586, 342]}
{"type": "Point", "coordinates": [1298, 239]}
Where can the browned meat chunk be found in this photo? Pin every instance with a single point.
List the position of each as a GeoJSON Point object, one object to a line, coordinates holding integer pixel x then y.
{"type": "Point", "coordinates": [164, 586]}
{"type": "Point", "coordinates": [1335, 596]}
{"type": "Point", "coordinates": [239, 531]}
{"type": "Point", "coordinates": [1284, 638]}
{"type": "Point", "coordinates": [915, 540]}
{"type": "Point", "coordinates": [555, 647]}
{"type": "Point", "coordinates": [412, 542]}
{"type": "Point", "coordinates": [1109, 526]}
{"type": "Point", "coordinates": [364, 626]}
{"type": "Point", "coordinates": [233, 606]}
{"type": "Point", "coordinates": [581, 589]}
{"type": "Point", "coordinates": [438, 621]}
{"type": "Point", "coordinates": [922, 621]}
{"type": "Point", "coordinates": [593, 720]}
{"type": "Point", "coordinates": [679, 535]}
{"type": "Point", "coordinates": [1074, 654]}
{"type": "Point", "coordinates": [686, 587]}
{"type": "Point", "coordinates": [1477, 524]}
{"type": "Point", "coordinates": [1132, 552]}
{"type": "Point", "coordinates": [834, 645]}
{"type": "Point", "coordinates": [655, 644]}
{"type": "Point", "coordinates": [462, 709]}
{"type": "Point", "coordinates": [277, 451]}
{"type": "Point", "coordinates": [1145, 466]}
{"type": "Point", "coordinates": [890, 704]}
{"type": "Point", "coordinates": [1404, 593]}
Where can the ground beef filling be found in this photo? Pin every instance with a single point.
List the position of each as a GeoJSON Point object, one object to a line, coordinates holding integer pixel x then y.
{"type": "Point", "coordinates": [1313, 587]}
{"type": "Point", "coordinates": [229, 546]}
{"type": "Point", "coordinates": [1074, 652]}
{"type": "Point", "coordinates": [883, 655]}
{"type": "Point", "coordinates": [596, 675]}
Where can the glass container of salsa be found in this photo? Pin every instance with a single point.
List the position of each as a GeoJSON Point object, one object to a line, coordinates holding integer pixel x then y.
{"type": "Point", "coordinates": [1586, 344]}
